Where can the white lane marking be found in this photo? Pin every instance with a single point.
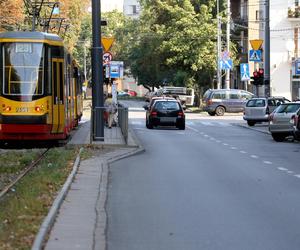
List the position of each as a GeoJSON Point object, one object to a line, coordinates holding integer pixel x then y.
{"type": "Point", "coordinates": [136, 122]}
{"type": "Point", "coordinates": [201, 133]}
{"type": "Point", "coordinates": [206, 123]}
{"type": "Point", "coordinates": [225, 144]}
{"type": "Point", "coordinates": [297, 175]}
{"type": "Point", "coordinates": [195, 130]}
{"type": "Point", "coordinates": [233, 148]}
{"type": "Point", "coordinates": [282, 169]}
{"type": "Point", "coordinates": [254, 156]}
{"type": "Point", "coordinates": [190, 123]}
{"type": "Point", "coordinates": [224, 124]}
{"type": "Point", "coordinates": [243, 152]}
{"type": "Point", "coordinates": [218, 141]}
{"type": "Point", "coordinates": [268, 162]}
{"type": "Point", "coordinates": [206, 136]}
{"type": "Point", "coordinates": [290, 172]}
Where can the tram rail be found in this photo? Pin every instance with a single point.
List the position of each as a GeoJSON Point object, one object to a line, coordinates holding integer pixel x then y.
{"type": "Point", "coordinates": [19, 177]}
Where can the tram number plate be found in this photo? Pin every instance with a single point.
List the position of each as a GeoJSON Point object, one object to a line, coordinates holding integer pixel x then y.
{"type": "Point", "coordinates": [21, 109]}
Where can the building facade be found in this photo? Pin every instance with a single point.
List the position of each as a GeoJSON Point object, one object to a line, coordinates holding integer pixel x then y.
{"type": "Point", "coordinates": [248, 18]}
{"type": "Point", "coordinates": [132, 8]}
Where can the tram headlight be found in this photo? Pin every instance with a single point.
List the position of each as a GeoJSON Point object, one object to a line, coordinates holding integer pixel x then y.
{"type": "Point", "coordinates": [7, 109]}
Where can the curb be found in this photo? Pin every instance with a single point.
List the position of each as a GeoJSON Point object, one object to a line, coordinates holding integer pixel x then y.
{"type": "Point", "coordinates": [49, 220]}
{"type": "Point", "coordinates": [254, 129]}
{"type": "Point", "coordinates": [102, 219]}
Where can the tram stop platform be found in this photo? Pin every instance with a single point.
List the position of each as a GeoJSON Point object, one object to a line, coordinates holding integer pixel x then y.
{"type": "Point", "coordinates": [112, 137]}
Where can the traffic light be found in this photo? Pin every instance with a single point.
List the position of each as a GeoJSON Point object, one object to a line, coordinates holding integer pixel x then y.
{"type": "Point", "coordinates": [258, 77]}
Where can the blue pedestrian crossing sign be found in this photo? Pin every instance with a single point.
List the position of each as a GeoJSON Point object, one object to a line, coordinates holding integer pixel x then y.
{"type": "Point", "coordinates": [226, 64]}
{"type": "Point", "coordinates": [245, 73]}
{"type": "Point", "coordinates": [255, 55]}
{"type": "Point", "coordinates": [297, 67]}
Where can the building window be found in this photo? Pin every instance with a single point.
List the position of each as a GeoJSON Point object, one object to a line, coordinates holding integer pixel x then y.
{"type": "Point", "coordinates": [134, 9]}
{"type": "Point", "coordinates": [296, 3]}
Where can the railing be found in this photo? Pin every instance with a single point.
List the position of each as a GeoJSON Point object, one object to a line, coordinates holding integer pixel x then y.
{"type": "Point", "coordinates": [123, 121]}
{"type": "Point", "coordinates": [119, 126]}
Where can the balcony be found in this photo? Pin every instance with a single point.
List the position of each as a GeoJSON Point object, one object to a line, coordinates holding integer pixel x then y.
{"type": "Point", "coordinates": [294, 14]}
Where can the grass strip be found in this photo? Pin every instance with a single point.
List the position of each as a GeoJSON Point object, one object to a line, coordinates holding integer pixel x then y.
{"type": "Point", "coordinates": [22, 211]}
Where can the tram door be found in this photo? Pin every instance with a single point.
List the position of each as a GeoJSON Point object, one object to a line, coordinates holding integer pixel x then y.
{"type": "Point", "coordinates": [58, 117]}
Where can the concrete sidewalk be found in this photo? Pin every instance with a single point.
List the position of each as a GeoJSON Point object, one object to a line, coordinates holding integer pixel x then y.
{"type": "Point", "coordinates": [77, 219]}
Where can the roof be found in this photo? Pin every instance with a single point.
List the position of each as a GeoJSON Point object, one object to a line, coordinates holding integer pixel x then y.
{"type": "Point", "coordinates": [30, 35]}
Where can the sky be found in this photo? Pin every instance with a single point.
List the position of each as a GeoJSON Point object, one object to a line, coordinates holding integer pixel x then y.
{"type": "Point", "coordinates": [109, 5]}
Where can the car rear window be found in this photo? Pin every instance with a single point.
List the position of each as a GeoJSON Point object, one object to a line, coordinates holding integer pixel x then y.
{"type": "Point", "coordinates": [167, 105]}
{"type": "Point", "coordinates": [288, 108]}
{"type": "Point", "coordinates": [206, 94]}
{"type": "Point", "coordinates": [256, 103]}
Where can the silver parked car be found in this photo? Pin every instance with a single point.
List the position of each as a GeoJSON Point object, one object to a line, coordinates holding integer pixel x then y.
{"type": "Point", "coordinates": [258, 109]}
{"type": "Point", "coordinates": [280, 125]}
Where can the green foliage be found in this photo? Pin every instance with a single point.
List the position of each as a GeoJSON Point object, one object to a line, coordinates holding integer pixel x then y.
{"type": "Point", "coordinates": [173, 42]}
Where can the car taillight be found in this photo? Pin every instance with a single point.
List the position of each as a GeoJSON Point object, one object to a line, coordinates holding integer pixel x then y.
{"type": "Point", "coordinates": [271, 117]}
{"type": "Point", "coordinates": [153, 113]}
{"type": "Point", "coordinates": [180, 114]}
{"type": "Point", "coordinates": [294, 120]}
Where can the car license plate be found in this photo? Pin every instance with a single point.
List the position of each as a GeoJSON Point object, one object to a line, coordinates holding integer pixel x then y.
{"type": "Point", "coordinates": [168, 119]}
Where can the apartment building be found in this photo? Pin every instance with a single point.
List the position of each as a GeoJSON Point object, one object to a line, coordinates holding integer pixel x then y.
{"type": "Point", "coordinates": [249, 24]}
{"type": "Point", "coordinates": [131, 8]}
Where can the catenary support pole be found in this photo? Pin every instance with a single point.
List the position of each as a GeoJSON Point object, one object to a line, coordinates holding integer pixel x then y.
{"type": "Point", "coordinates": [97, 74]}
{"type": "Point", "coordinates": [219, 80]}
{"type": "Point", "coordinates": [267, 76]}
{"type": "Point", "coordinates": [227, 81]}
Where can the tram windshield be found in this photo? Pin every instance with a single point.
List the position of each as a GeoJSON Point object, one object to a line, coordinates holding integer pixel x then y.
{"type": "Point", "coordinates": [24, 69]}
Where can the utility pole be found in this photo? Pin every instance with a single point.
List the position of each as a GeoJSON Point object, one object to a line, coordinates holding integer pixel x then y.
{"type": "Point", "coordinates": [267, 77]}
{"type": "Point", "coordinates": [97, 74]}
{"type": "Point", "coordinates": [219, 79]}
{"type": "Point", "coordinates": [227, 81]}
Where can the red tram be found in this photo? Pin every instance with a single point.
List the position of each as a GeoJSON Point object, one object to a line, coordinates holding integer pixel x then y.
{"type": "Point", "coordinates": [40, 87]}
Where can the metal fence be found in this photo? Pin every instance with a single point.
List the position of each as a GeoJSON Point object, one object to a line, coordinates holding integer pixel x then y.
{"type": "Point", "coordinates": [119, 131]}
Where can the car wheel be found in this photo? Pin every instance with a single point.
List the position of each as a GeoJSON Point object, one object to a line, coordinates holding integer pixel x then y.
{"type": "Point", "coordinates": [211, 113]}
{"type": "Point", "coordinates": [220, 111]}
{"type": "Point", "coordinates": [278, 137]}
{"type": "Point", "coordinates": [251, 123]}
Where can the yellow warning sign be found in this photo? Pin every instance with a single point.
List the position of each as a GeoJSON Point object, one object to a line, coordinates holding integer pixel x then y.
{"type": "Point", "coordinates": [107, 43]}
{"type": "Point", "coordinates": [256, 44]}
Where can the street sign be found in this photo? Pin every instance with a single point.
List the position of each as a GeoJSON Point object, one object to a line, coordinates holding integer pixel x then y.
{"type": "Point", "coordinates": [225, 55]}
{"type": "Point", "coordinates": [256, 44]}
{"type": "Point", "coordinates": [107, 57]}
{"type": "Point", "coordinates": [245, 73]}
{"type": "Point", "coordinates": [297, 67]}
{"type": "Point", "coordinates": [255, 55]}
{"type": "Point", "coordinates": [107, 43]}
{"type": "Point", "coordinates": [116, 69]}
{"type": "Point", "coordinates": [226, 64]}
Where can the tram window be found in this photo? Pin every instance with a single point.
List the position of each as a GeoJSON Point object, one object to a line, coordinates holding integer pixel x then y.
{"type": "Point", "coordinates": [23, 69]}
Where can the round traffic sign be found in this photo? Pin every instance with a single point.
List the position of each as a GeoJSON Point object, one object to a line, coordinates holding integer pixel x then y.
{"type": "Point", "coordinates": [107, 57]}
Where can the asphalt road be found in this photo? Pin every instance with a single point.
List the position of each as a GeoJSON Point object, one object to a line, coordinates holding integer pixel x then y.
{"type": "Point", "coordinates": [216, 185]}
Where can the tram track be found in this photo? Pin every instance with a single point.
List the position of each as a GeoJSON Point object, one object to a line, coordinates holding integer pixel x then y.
{"type": "Point", "coordinates": [23, 173]}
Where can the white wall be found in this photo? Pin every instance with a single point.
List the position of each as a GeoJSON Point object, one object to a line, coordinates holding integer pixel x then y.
{"type": "Point", "coordinates": [128, 8]}
{"type": "Point", "coordinates": [281, 33]}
